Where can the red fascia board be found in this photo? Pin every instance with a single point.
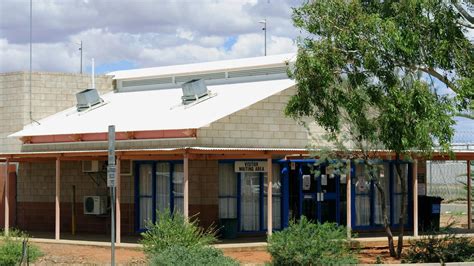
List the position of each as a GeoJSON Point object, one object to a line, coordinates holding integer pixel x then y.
{"type": "Point", "coordinates": [103, 136]}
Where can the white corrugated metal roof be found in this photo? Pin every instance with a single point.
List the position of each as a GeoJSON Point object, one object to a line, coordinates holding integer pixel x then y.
{"type": "Point", "coordinates": [199, 68]}
{"type": "Point", "coordinates": [156, 110]}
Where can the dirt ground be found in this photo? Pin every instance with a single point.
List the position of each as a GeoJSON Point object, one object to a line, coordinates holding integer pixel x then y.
{"type": "Point", "coordinates": [249, 257]}
{"type": "Point", "coordinates": [458, 220]}
{"type": "Point", "coordinates": [63, 254]}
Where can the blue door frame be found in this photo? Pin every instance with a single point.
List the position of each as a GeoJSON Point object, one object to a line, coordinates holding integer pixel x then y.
{"type": "Point", "coordinates": [372, 192]}
{"type": "Point", "coordinates": [328, 196]}
{"type": "Point", "coordinates": [337, 195]}
{"type": "Point", "coordinates": [137, 196]}
{"type": "Point", "coordinates": [283, 197]}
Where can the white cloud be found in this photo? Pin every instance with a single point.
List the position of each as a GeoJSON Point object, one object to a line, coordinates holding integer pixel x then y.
{"type": "Point", "coordinates": [184, 34]}
{"type": "Point", "coordinates": [143, 32]}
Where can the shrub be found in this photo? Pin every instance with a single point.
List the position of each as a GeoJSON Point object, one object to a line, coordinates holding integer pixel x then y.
{"type": "Point", "coordinates": [440, 248]}
{"type": "Point", "coordinates": [306, 243]}
{"type": "Point", "coordinates": [172, 229]}
{"type": "Point", "coordinates": [11, 248]}
{"type": "Point", "coordinates": [187, 256]}
{"type": "Point", "coordinates": [173, 240]}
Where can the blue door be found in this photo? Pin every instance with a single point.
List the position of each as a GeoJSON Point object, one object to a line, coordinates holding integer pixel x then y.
{"type": "Point", "coordinates": [319, 193]}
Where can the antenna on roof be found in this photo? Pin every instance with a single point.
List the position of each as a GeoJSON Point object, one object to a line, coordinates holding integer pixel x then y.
{"type": "Point", "coordinates": [93, 75]}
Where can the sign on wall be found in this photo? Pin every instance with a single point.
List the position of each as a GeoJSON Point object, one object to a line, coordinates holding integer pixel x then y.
{"type": "Point", "coordinates": [250, 166]}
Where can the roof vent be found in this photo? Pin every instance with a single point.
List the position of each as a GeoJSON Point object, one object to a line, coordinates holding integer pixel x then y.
{"type": "Point", "coordinates": [86, 99]}
{"type": "Point", "coordinates": [194, 90]}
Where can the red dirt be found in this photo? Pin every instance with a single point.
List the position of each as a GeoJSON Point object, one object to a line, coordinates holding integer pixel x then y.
{"type": "Point", "coordinates": [253, 257]}
{"type": "Point", "coordinates": [64, 254]}
{"type": "Point", "coordinates": [76, 254]}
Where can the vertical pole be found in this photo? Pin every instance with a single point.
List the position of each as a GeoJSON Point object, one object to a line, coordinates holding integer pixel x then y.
{"type": "Point", "coordinates": [469, 195]}
{"type": "Point", "coordinates": [415, 197]}
{"type": "Point", "coordinates": [117, 202]}
{"type": "Point", "coordinates": [58, 195]}
{"type": "Point", "coordinates": [6, 192]}
{"type": "Point", "coordinates": [81, 56]}
{"type": "Point", "coordinates": [93, 75]}
{"type": "Point", "coordinates": [265, 37]}
{"type": "Point", "coordinates": [111, 171]}
{"type": "Point", "coordinates": [348, 201]}
{"type": "Point", "coordinates": [73, 214]}
{"type": "Point", "coordinates": [186, 186]}
{"type": "Point", "coordinates": [269, 197]}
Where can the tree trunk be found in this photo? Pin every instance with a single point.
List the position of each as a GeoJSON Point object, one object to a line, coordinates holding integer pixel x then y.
{"type": "Point", "coordinates": [402, 209]}
{"type": "Point", "coordinates": [386, 223]}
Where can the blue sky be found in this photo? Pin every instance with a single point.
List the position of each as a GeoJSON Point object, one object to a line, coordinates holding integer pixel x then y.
{"type": "Point", "coordinates": [123, 34]}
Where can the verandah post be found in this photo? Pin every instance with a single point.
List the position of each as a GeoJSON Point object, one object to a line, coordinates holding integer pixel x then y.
{"type": "Point", "coordinates": [117, 201]}
{"type": "Point", "coordinates": [469, 195]}
{"type": "Point", "coordinates": [415, 197]}
{"type": "Point", "coordinates": [269, 196]}
{"type": "Point", "coordinates": [58, 195]}
{"type": "Point", "coordinates": [348, 200]}
{"type": "Point", "coordinates": [7, 192]}
{"type": "Point", "coordinates": [186, 186]}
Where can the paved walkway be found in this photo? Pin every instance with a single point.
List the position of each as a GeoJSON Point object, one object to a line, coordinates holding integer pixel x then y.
{"type": "Point", "coordinates": [238, 246]}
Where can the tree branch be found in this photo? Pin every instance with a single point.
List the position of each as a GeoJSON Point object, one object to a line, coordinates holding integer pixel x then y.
{"type": "Point", "coordinates": [431, 71]}
{"type": "Point", "coordinates": [463, 24]}
{"type": "Point", "coordinates": [464, 13]}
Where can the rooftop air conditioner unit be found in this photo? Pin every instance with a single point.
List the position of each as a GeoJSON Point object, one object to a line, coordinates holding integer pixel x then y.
{"type": "Point", "coordinates": [90, 166]}
{"type": "Point", "coordinates": [95, 205]}
{"type": "Point", "coordinates": [193, 90]}
{"type": "Point", "coordinates": [87, 98]}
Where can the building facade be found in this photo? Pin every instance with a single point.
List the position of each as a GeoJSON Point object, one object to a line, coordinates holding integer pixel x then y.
{"type": "Point", "coordinates": [226, 152]}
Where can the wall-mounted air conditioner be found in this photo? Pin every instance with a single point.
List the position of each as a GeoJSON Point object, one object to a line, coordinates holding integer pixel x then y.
{"type": "Point", "coordinates": [95, 205]}
{"type": "Point", "coordinates": [90, 166]}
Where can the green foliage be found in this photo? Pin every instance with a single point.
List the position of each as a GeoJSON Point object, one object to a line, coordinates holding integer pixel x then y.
{"type": "Point", "coordinates": [378, 260]}
{"type": "Point", "coordinates": [173, 240]}
{"type": "Point", "coordinates": [189, 256]}
{"type": "Point", "coordinates": [368, 69]}
{"type": "Point", "coordinates": [11, 248]}
{"type": "Point", "coordinates": [368, 72]}
{"type": "Point", "coordinates": [440, 248]}
{"type": "Point", "coordinates": [306, 243]}
{"type": "Point", "coordinates": [172, 229]}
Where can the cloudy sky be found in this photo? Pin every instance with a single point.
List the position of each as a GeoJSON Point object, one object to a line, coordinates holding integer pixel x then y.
{"type": "Point", "coordinates": [123, 34]}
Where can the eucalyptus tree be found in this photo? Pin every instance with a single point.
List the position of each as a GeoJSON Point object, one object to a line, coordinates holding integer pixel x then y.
{"type": "Point", "coordinates": [369, 73]}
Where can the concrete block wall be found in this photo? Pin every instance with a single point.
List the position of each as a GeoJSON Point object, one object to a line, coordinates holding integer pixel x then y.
{"type": "Point", "coordinates": [204, 191]}
{"type": "Point", "coordinates": [51, 93]}
{"type": "Point", "coordinates": [36, 196]}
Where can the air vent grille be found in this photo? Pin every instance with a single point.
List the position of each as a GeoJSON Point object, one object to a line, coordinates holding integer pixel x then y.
{"type": "Point", "coordinates": [218, 75]}
{"type": "Point", "coordinates": [146, 82]}
{"type": "Point", "coordinates": [257, 72]}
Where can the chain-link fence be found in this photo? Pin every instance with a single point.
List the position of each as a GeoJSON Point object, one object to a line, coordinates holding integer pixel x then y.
{"type": "Point", "coordinates": [447, 179]}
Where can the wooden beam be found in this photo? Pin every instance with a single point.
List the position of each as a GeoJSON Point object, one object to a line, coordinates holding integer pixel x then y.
{"type": "Point", "coordinates": [145, 135]}
{"type": "Point", "coordinates": [232, 156]}
{"type": "Point", "coordinates": [186, 186]}
{"type": "Point", "coordinates": [58, 195]}
{"type": "Point", "coordinates": [84, 158]}
{"type": "Point", "coordinates": [469, 195]}
{"type": "Point", "coordinates": [117, 202]}
{"type": "Point", "coordinates": [7, 192]}
{"type": "Point", "coordinates": [269, 197]}
{"type": "Point", "coordinates": [348, 201]}
{"type": "Point", "coordinates": [415, 197]}
{"type": "Point", "coordinates": [152, 157]}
